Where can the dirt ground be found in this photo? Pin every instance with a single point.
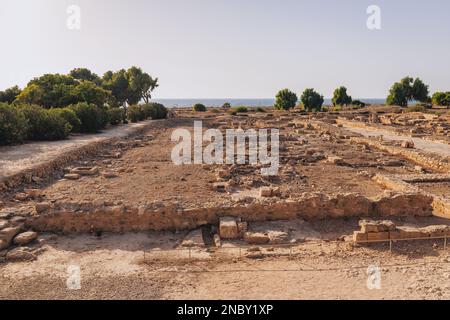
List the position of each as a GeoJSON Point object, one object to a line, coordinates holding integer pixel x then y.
{"type": "Point", "coordinates": [113, 267]}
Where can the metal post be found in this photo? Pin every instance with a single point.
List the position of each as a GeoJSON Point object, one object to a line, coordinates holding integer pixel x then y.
{"type": "Point", "coordinates": [290, 251]}
{"type": "Point", "coordinates": [445, 243]}
{"type": "Point", "coordinates": [240, 252]}
{"type": "Point", "coordinates": [390, 246]}
{"type": "Point", "coordinates": [189, 253]}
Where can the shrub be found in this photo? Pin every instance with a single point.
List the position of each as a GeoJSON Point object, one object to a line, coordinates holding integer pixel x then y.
{"type": "Point", "coordinates": [285, 99]}
{"type": "Point", "coordinates": [45, 124]}
{"type": "Point", "coordinates": [260, 109]}
{"type": "Point", "coordinates": [441, 99]}
{"type": "Point", "coordinates": [92, 118]}
{"type": "Point", "coordinates": [154, 111]}
{"type": "Point", "coordinates": [226, 105]}
{"type": "Point", "coordinates": [416, 108]}
{"type": "Point", "coordinates": [115, 115]}
{"type": "Point", "coordinates": [358, 103]}
{"type": "Point", "coordinates": [13, 125]}
{"type": "Point", "coordinates": [199, 107]}
{"type": "Point", "coordinates": [136, 113]}
{"type": "Point", "coordinates": [70, 116]}
{"type": "Point", "coordinates": [240, 109]}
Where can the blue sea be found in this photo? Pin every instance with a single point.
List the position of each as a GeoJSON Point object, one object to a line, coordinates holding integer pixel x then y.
{"type": "Point", "coordinates": [187, 103]}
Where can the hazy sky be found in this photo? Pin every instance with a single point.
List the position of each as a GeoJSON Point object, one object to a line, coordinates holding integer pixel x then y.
{"type": "Point", "coordinates": [232, 48]}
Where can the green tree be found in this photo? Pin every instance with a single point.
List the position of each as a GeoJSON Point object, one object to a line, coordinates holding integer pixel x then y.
{"type": "Point", "coordinates": [312, 100]}
{"type": "Point", "coordinates": [406, 90]}
{"type": "Point", "coordinates": [340, 97]}
{"type": "Point", "coordinates": [10, 94]}
{"type": "Point", "coordinates": [140, 85]}
{"type": "Point", "coordinates": [285, 100]}
{"type": "Point", "coordinates": [89, 92]}
{"type": "Point", "coordinates": [441, 99]}
{"type": "Point", "coordinates": [117, 84]}
{"type": "Point", "coordinates": [85, 74]}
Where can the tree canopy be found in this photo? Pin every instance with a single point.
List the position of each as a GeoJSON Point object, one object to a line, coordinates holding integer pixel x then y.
{"type": "Point", "coordinates": [82, 85]}
{"type": "Point", "coordinates": [441, 99]}
{"type": "Point", "coordinates": [312, 100]}
{"type": "Point", "coordinates": [10, 94]}
{"type": "Point", "coordinates": [340, 97]}
{"type": "Point", "coordinates": [285, 99]}
{"type": "Point", "coordinates": [406, 90]}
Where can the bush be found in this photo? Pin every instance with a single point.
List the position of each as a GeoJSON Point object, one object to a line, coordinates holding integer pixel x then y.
{"type": "Point", "coordinates": [416, 108]}
{"type": "Point", "coordinates": [92, 118]}
{"type": "Point", "coordinates": [154, 111]}
{"type": "Point", "coordinates": [116, 115]}
{"type": "Point", "coordinates": [136, 113]}
{"type": "Point", "coordinates": [226, 105]}
{"type": "Point", "coordinates": [260, 109]}
{"type": "Point", "coordinates": [70, 116]}
{"type": "Point", "coordinates": [45, 124]}
{"type": "Point", "coordinates": [285, 100]}
{"type": "Point", "coordinates": [13, 125]}
{"type": "Point", "coordinates": [358, 104]}
{"type": "Point", "coordinates": [240, 109]}
{"type": "Point", "coordinates": [199, 107]}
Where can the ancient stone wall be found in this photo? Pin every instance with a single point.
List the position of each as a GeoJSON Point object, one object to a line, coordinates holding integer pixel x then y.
{"type": "Point", "coordinates": [101, 216]}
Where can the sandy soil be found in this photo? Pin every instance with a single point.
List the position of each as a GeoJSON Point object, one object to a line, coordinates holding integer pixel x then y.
{"type": "Point", "coordinates": [113, 267]}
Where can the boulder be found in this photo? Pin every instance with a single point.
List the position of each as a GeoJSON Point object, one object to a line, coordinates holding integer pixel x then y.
{"type": "Point", "coordinates": [228, 228]}
{"type": "Point", "coordinates": [19, 254]}
{"type": "Point", "coordinates": [25, 237]}
{"type": "Point", "coordinates": [6, 236]}
{"type": "Point", "coordinates": [436, 231]}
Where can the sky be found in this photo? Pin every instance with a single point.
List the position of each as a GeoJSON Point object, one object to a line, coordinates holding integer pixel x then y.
{"type": "Point", "coordinates": [232, 48]}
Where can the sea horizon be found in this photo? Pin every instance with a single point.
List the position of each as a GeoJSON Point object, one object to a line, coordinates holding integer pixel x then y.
{"type": "Point", "coordinates": [256, 102]}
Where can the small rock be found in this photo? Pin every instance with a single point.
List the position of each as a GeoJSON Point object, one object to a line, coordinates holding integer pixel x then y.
{"type": "Point", "coordinates": [21, 196]}
{"type": "Point", "coordinates": [43, 206]}
{"type": "Point", "coordinates": [25, 237]}
{"type": "Point", "coordinates": [72, 176]}
{"type": "Point", "coordinates": [110, 175]}
{"type": "Point", "coordinates": [407, 144]}
{"type": "Point", "coordinates": [19, 254]}
{"type": "Point", "coordinates": [33, 193]}
{"type": "Point", "coordinates": [3, 224]}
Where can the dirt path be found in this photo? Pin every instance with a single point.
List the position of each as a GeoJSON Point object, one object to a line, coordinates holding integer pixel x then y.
{"type": "Point", "coordinates": [15, 159]}
{"type": "Point", "coordinates": [442, 149]}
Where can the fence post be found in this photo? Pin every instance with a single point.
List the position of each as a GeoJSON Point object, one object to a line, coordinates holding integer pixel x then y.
{"type": "Point", "coordinates": [189, 253]}
{"type": "Point", "coordinates": [445, 243]}
{"type": "Point", "coordinates": [240, 252]}
{"type": "Point", "coordinates": [390, 246]}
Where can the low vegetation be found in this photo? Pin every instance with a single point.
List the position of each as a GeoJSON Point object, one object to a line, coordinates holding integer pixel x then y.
{"type": "Point", "coordinates": [199, 107]}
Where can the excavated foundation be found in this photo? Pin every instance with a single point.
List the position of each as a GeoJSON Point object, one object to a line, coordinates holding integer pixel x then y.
{"type": "Point", "coordinates": [70, 217]}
